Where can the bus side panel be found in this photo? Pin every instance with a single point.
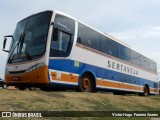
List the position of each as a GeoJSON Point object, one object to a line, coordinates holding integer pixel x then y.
{"type": "Point", "coordinates": [69, 71]}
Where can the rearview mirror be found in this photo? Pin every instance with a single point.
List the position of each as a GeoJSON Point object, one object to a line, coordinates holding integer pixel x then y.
{"type": "Point", "coordinates": [5, 41]}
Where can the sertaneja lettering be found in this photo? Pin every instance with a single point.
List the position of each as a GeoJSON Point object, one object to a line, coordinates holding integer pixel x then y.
{"type": "Point", "coordinates": [122, 68]}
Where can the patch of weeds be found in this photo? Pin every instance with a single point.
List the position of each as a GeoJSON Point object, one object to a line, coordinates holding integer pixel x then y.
{"type": "Point", "coordinates": [38, 99]}
{"type": "Point", "coordinates": [17, 106]}
{"type": "Point", "coordinates": [67, 106]}
{"type": "Point", "coordinates": [155, 97]}
{"type": "Point", "coordinates": [55, 94]}
{"type": "Point", "coordinates": [100, 105]}
{"type": "Point", "coordinates": [145, 108]}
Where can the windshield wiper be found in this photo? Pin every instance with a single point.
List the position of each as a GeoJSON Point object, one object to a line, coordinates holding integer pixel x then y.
{"type": "Point", "coordinates": [18, 50]}
{"type": "Point", "coordinates": [11, 55]}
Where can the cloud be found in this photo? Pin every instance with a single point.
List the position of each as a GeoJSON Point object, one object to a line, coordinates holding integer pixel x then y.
{"type": "Point", "coordinates": [139, 34]}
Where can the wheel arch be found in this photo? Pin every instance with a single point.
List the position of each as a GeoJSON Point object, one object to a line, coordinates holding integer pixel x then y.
{"type": "Point", "coordinates": [90, 73]}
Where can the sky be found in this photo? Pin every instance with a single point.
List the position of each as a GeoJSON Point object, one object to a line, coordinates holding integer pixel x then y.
{"type": "Point", "coordinates": [135, 22]}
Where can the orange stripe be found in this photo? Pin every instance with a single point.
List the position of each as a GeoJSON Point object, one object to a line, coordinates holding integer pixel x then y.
{"type": "Point", "coordinates": [122, 86]}
{"type": "Point", "coordinates": [141, 88]}
{"type": "Point", "coordinates": [65, 77]}
{"type": "Point", "coordinates": [116, 85]}
{"type": "Point", "coordinates": [154, 90]}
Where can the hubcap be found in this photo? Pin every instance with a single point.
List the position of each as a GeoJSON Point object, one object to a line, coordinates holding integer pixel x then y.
{"type": "Point", "coordinates": [86, 83]}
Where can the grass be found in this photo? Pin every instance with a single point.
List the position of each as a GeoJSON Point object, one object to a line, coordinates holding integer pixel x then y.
{"type": "Point", "coordinates": [15, 100]}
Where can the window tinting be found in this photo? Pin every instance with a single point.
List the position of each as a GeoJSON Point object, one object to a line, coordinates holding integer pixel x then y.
{"type": "Point", "coordinates": [62, 40]}
{"type": "Point", "coordinates": [88, 37]}
{"type": "Point", "coordinates": [93, 39]}
{"type": "Point", "coordinates": [124, 53]}
{"type": "Point", "coordinates": [30, 38]}
{"type": "Point", "coordinates": [136, 58]}
{"type": "Point", "coordinates": [65, 23]}
{"type": "Point", "coordinates": [149, 64]}
{"type": "Point", "coordinates": [62, 43]}
{"type": "Point", "coordinates": [109, 46]}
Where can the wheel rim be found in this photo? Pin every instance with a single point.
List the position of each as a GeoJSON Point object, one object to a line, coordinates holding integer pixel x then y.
{"type": "Point", "coordinates": [146, 91]}
{"type": "Point", "coordinates": [85, 83]}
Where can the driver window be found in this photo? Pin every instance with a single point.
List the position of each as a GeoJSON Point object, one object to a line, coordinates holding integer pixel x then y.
{"type": "Point", "coordinates": [62, 36]}
{"type": "Point", "coordinates": [62, 43]}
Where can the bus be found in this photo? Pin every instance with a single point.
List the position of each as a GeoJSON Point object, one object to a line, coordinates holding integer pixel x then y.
{"type": "Point", "coordinates": [52, 49]}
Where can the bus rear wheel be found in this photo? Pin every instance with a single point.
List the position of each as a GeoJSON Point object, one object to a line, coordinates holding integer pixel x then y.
{"type": "Point", "coordinates": [145, 91]}
{"type": "Point", "coordinates": [86, 83]}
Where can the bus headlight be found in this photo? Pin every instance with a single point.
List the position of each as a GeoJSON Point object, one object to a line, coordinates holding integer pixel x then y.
{"type": "Point", "coordinates": [34, 67]}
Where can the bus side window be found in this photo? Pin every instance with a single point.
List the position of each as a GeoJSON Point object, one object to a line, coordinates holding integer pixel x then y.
{"type": "Point", "coordinates": [61, 41]}
{"type": "Point", "coordinates": [88, 37]}
{"type": "Point", "coordinates": [64, 40]}
{"type": "Point", "coordinates": [54, 42]}
{"type": "Point", "coordinates": [63, 36]}
{"type": "Point", "coordinates": [89, 43]}
{"type": "Point", "coordinates": [108, 46]}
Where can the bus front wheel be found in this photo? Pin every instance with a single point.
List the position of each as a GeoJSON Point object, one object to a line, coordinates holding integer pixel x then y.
{"type": "Point", "coordinates": [4, 86]}
{"type": "Point", "coordinates": [22, 88]}
{"type": "Point", "coordinates": [32, 88]}
{"type": "Point", "coordinates": [86, 83]}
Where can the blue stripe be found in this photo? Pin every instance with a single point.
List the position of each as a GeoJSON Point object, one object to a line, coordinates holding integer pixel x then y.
{"type": "Point", "coordinates": [63, 84]}
{"type": "Point", "coordinates": [68, 66]}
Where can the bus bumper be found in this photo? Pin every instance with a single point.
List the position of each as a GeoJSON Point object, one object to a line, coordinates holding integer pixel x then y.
{"type": "Point", "coordinates": [35, 77]}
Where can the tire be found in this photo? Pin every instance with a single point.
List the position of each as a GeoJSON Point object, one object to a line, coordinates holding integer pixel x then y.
{"type": "Point", "coordinates": [32, 88]}
{"type": "Point", "coordinates": [4, 86]}
{"type": "Point", "coordinates": [22, 88]}
{"type": "Point", "coordinates": [145, 91]}
{"type": "Point", "coordinates": [86, 83]}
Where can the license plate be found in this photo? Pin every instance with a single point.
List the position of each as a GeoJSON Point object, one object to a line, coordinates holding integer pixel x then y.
{"type": "Point", "coordinates": [16, 78]}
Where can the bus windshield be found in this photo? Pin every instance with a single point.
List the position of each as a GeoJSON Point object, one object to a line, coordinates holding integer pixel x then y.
{"type": "Point", "coordinates": [30, 38]}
